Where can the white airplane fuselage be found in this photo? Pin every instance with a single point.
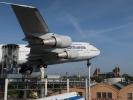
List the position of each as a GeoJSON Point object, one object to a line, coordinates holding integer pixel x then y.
{"type": "Point", "coordinates": [81, 50]}
{"type": "Point", "coordinates": [44, 47]}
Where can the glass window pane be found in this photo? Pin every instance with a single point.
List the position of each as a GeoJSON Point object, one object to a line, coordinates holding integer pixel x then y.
{"type": "Point", "coordinates": [104, 95]}
{"type": "Point", "coordinates": [98, 94]}
{"type": "Point", "coordinates": [129, 96]}
{"type": "Point", "coordinates": [110, 95]}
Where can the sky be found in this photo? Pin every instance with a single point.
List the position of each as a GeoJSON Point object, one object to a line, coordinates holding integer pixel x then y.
{"type": "Point", "coordinates": [106, 24]}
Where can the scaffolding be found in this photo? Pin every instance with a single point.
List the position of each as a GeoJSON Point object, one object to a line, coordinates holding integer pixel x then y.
{"type": "Point", "coordinates": [18, 89]}
{"type": "Point", "coordinates": [9, 61]}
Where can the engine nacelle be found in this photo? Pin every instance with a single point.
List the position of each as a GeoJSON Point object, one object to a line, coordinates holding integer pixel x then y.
{"type": "Point", "coordinates": [68, 54]}
{"type": "Point", "coordinates": [58, 41]}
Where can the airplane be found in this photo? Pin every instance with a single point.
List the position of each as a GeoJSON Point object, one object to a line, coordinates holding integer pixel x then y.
{"type": "Point", "coordinates": [64, 96]}
{"type": "Point", "coordinates": [45, 47]}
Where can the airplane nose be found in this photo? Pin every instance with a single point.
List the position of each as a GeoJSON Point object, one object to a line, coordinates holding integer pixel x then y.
{"type": "Point", "coordinates": [97, 52]}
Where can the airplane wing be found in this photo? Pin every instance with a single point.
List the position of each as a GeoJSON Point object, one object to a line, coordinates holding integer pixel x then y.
{"type": "Point", "coordinates": [44, 46]}
{"type": "Point", "coordinates": [30, 19]}
{"type": "Point", "coordinates": [39, 56]}
{"type": "Point", "coordinates": [34, 27]}
{"type": "Point", "coordinates": [31, 22]}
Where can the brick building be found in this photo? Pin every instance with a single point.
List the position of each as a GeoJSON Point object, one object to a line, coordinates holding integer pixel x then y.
{"type": "Point", "coordinates": [105, 91]}
{"type": "Point", "coordinates": [126, 93]}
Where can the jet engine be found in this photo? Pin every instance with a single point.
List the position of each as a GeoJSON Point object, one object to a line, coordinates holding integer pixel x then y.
{"type": "Point", "coordinates": [68, 54]}
{"type": "Point", "coordinates": [58, 41]}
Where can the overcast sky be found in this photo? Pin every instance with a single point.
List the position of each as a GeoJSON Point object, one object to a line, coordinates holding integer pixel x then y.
{"type": "Point", "coordinates": [106, 24]}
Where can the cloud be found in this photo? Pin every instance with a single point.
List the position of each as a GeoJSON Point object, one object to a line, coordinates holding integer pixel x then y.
{"type": "Point", "coordinates": [104, 34]}
{"type": "Point", "coordinates": [112, 29]}
{"type": "Point", "coordinates": [76, 25]}
{"type": "Point", "coordinates": [113, 35]}
{"type": "Point", "coordinates": [102, 38]}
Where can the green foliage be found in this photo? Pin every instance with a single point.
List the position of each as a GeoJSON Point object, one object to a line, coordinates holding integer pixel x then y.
{"type": "Point", "coordinates": [97, 79]}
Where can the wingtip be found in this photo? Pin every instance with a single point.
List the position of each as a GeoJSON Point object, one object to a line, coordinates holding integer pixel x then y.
{"type": "Point", "coordinates": [5, 3]}
{"type": "Point", "coordinates": [17, 4]}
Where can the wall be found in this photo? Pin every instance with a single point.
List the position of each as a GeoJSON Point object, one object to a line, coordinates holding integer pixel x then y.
{"type": "Point", "coordinates": [104, 88]}
{"type": "Point", "coordinates": [123, 92]}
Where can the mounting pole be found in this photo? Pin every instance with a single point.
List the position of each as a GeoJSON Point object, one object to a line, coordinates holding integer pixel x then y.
{"type": "Point", "coordinates": [6, 89]}
{"type": "Point", "coordinates": [46, 87]}
{"type": "Point", "coordinates": [89, 67]}
{"type": "Point", "coordinates": [42, 70]}
{"type": "Point", "coordinates": [67, 85]}
{"type": "Point", "coordinates": [86, 89]}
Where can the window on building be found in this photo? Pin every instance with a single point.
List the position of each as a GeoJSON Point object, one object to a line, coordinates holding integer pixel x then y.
{"type": "Point", "coordinates": [98, 94]}
{"type": "Point", "coordinates": [109, 95]}
{"type": "Point", "coordinates": [104, 95]}
{"type": "Point", "coordinates": [129, 96]}
{"type": "Point", "coordinates": [80, 93]}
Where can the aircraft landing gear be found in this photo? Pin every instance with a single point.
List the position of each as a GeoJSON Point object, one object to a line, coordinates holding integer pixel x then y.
{"type": "Point", "coordinates": [25, 69]}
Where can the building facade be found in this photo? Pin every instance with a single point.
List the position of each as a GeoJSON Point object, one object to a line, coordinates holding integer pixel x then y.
{"type": "Point", "coordinates": [104, 91]}
{"type": "Point", "coordinates": [126, 93]}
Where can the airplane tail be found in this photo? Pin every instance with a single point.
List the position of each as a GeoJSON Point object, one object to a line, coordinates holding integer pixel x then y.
{"type": "Point", "coordinates": [30, 19]}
